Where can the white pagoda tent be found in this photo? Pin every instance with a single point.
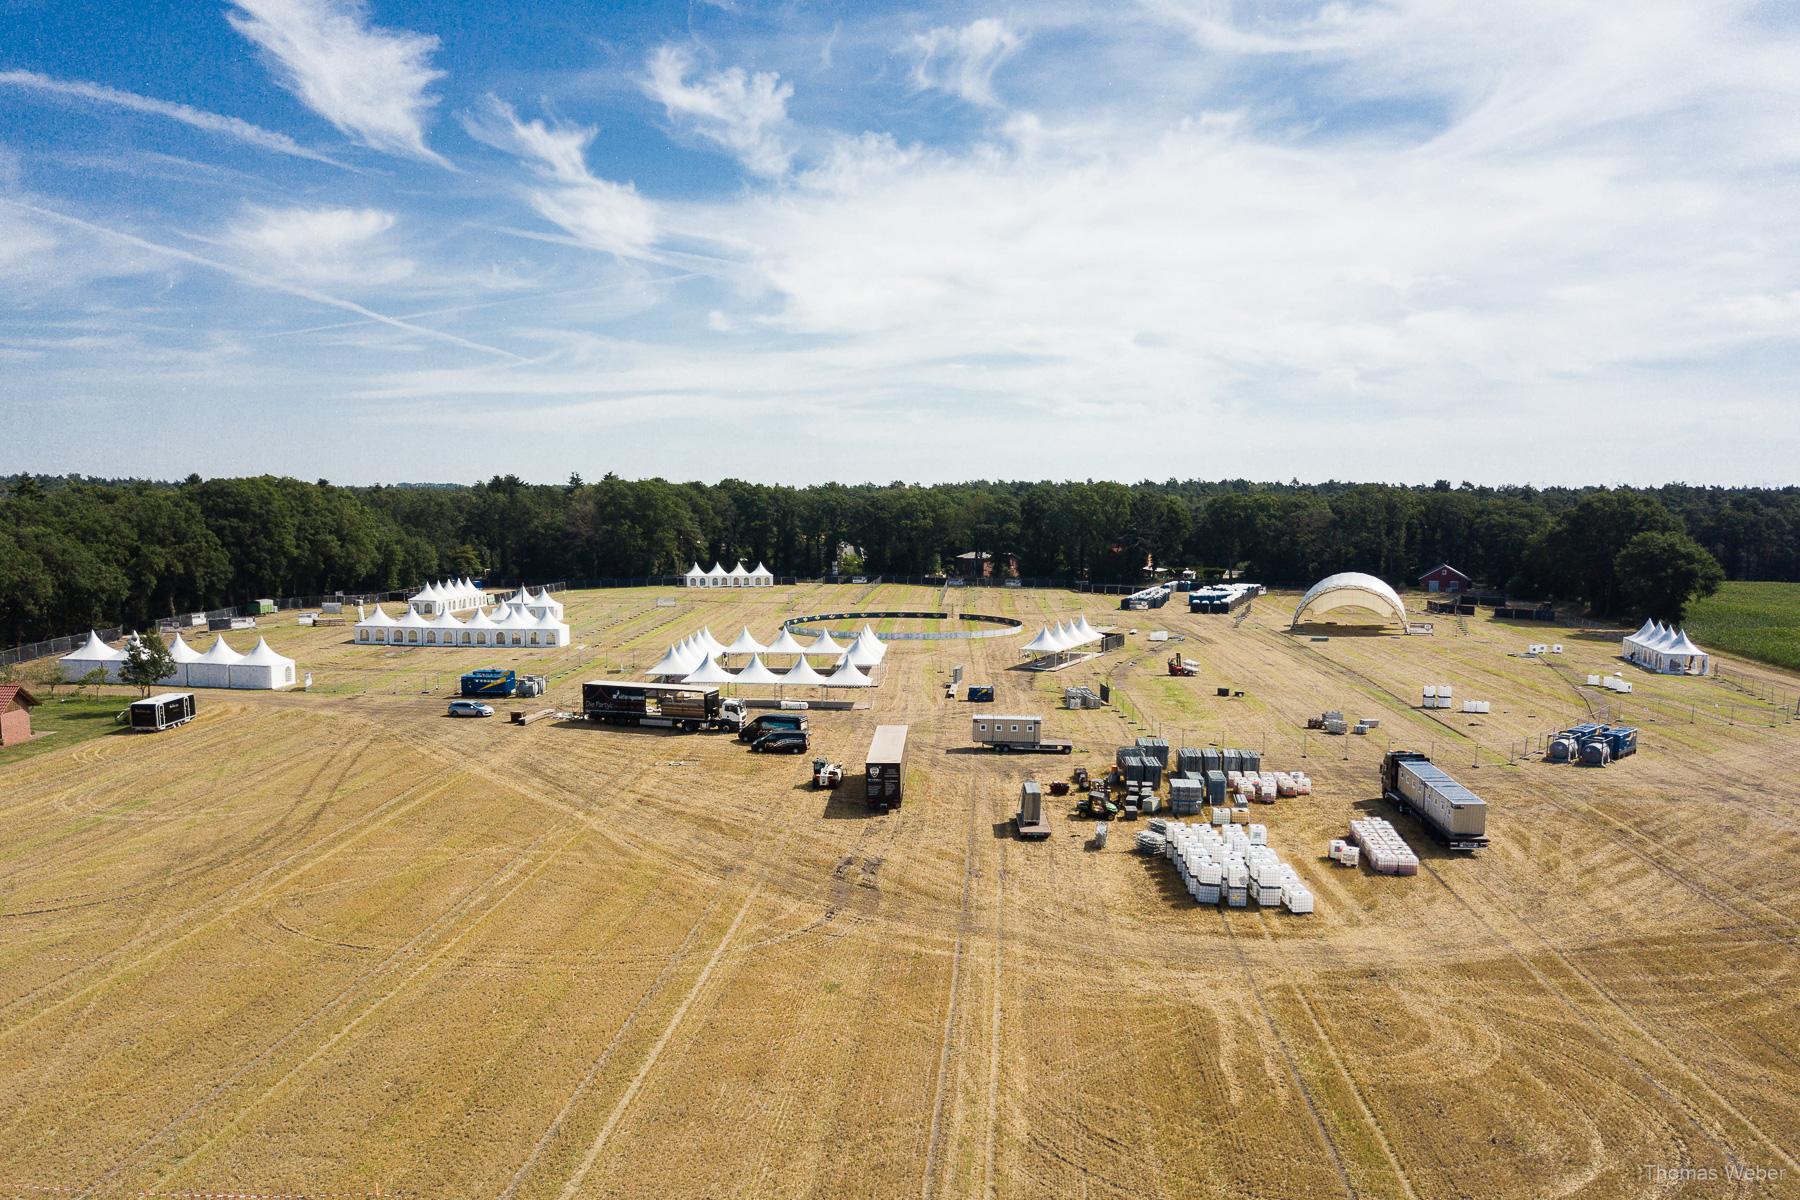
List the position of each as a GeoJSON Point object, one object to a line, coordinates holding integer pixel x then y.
{"type": "Point", "coordinates": [94, 653]}
{"type": "Point", "coordinates": [213, 668]}
{"type": "Point", "coordinates": [262, 669]}
{"type": "Point", "coordinates": [695, 577]}
{"type": "Point", "coordinates": [785, 643]}
{"type": "Point", "coordinates": [760, 577]}
{"type": "Point", "coordinates": [744, 643]}
{"type": "Point", "coordinates": [802, 673]}
{"type": "Point", "coordinates": [709, 671]}
{"type": "Point", "coordinates": [756, 672]}
{"type": "Point", "coordinates": [374, 627]}
{"type": "Point", "coordinates": [183, 654]}
{"type": "Point", "coordinates": [825, 645]}
{"type": "Point", "coordinates": [847, 675]}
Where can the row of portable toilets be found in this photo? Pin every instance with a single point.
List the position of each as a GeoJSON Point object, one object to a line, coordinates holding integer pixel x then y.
{"type": "Point", "coordinates": [1234, 864]}
{"type": "Point", "coordinates": [1591, 745]}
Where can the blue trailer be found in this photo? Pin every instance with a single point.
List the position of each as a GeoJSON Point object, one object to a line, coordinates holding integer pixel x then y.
{"type": "Point", "coordinates": [489, 682]}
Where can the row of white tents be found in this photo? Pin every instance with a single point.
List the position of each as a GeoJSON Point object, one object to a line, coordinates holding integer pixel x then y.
{"type": "Point", "coordinates": [1665, 650]}
{"type": "Point", "coordinates": [517, 622]}
{"type": "Point", "coordinates": [262, 669]}
{"type": "Point", "coordinates": [1063, 636]}
{"type": "Point", "coordinates": [450, 595]}
{"type": "Point", "coordinates": [698, 657]}
{"type": "Point", "coordinates": [736, 577]}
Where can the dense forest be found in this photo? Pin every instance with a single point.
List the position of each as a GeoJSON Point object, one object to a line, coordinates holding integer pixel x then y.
{"type": "Point", "coordinates": [78, 552]}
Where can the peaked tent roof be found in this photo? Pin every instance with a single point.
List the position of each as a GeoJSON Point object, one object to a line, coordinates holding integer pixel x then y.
{"type": "Point", "coordinates": [219, 652]}
{"type": "Point", "coordinates": [785, 643]}
{"type": "Point", "coordinates": [713, 645]}
{"type": "Point", "coordinates": [802, 672]}
{"type": "Point", "coordinates": [762, 572]}
{"type": "Point", "coordinates": [265, 655]}
{"type": "Point", "coordinates": [709, 671]}
{"type": "Point", "coordinates": [479, 620]}
{"type": "Point", "coordinates": [738, 571]}
{"type": "Point", "coordinates": [95, 650]}
{"type": "Point", "coordinates": [756, 672]}
{"type": "Point", "coordinates": [672, 663]}
{"type": "Point", "coordinates": [743, 643]}
{"type": "Point", "coordinates": [1044, 643]}
{"type": "Point", "coordinates": [847, 675]}
{"type": "Point", "coordinates": [825, 644]}
{"type": "Point", "coordinates": [378, 617]}
{"type": "Point", "coordinates": [694, 572]}
{"type": "Point", "coordinates": [1088, 632]}
{"type": "Point", "coordinates": [181, 652]}
{"type": "Point", "coordinates": [717, 572]}
{"type": "Point", "coordinates": [1682, 645]}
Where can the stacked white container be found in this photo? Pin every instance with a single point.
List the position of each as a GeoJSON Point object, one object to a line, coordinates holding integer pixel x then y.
{"type": "Point", "coordinates": [1388, 852]}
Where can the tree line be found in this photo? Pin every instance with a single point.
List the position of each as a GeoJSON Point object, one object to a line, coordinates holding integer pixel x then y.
{"type": "Point", "coordinates": [79, 552]}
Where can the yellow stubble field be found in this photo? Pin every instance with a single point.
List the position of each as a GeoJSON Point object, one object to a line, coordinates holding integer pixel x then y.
{"type": "Point", "coordinates": [338, 943]}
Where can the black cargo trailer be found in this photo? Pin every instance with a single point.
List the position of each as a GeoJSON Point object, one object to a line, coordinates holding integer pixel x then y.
{"type": "Point", "coordinates": [153, 714]}
{"type": "Point", "coordinates": [884, 767]}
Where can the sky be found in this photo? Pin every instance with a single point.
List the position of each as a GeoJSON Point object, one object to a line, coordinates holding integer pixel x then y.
{"type": "Point", "coordinates": [802, 241]}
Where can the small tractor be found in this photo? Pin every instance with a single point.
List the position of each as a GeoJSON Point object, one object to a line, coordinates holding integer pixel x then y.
{"type": "Point", "coordinates": [827, 775]}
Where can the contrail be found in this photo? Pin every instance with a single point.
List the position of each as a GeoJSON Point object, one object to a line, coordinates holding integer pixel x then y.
{"type": "Point", "coordinates": [231, 127]}
{"type": "Point", "coordinates": [263, 281]}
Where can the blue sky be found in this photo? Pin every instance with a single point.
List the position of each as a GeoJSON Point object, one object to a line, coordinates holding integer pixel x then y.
{"type": "Point", "coordinates": [803, 241]}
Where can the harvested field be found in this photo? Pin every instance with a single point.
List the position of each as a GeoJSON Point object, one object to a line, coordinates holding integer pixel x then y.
{"type": "Point", "coordinates": [334, 942]}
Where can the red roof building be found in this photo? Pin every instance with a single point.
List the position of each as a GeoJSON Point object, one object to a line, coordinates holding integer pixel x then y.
{"type": "Point", "coordinates": [15, 714]}
{"type": "Point", "coordinates": [1445, 578]}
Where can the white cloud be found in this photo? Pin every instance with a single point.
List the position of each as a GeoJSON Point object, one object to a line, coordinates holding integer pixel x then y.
{"type": "Point", "coordinates": [742, 112]}
{"type": "Point", "coordinates": [369, 82]}
{"type": "Point", "coordinates": [231, 127]}
{"type": "Point", "coordinates": [320, 245]}
{"type": "Point", "coordinates": [962, 61]}
{"type": "Point", "coordinates": [596, 212]}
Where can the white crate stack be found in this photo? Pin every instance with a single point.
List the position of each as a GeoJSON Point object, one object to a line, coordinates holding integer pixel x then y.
{"type": "Point", "coordinates": [1343, 853]}
{"type": "Point", "coordinates": [1388, 853]}
{"type": "Point", "coordinates": [1438, 696]}
{"type": "Point", "coordinates": [1264, 786]}
{"type": "Point", "coordinates": [1477, 706]}
{"type": "Point", "coordinates": [1234, 864]}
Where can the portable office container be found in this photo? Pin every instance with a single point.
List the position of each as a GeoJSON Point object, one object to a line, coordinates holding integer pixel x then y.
{"type": "Point", "coordinates": [1451, 811]}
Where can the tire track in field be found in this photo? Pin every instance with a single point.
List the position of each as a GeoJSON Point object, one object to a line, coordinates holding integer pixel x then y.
{"type": "Point", "coordinates": [671, 964]}
{"type": "Point", "coordinates": [953, 1008]}
{"type": "Point", "coordinates": [444, 921]}
{"type": "Point", "coordinates": [990, 1180]}
{"type": "Point", "coordinates": [1337, 1060]}
{"type": "Point", "coordinates": [1287, 1053]}
{"type": "Point", "coordinates": [1688, 1109]}
{"type": "Point", "coordinates": [515, 876]}
{"type": "Point", "coordinates": [574, 1182]}
{"type": "Point", "coordinates": [300, 861]}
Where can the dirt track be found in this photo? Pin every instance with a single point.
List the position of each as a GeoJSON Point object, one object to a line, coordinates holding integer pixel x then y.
{"type": "Point", "coordinates": [334, 942]}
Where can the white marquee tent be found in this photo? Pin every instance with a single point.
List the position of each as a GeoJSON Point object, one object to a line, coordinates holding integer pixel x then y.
{"type": "Point", "coordinates": [213, 668]}
{"type": "Point", "coordinates": [95, 653]}
{"type": "Point", "coordinates": [756, 672]}
{"type": "Point", "coordinates": [509, 624]}
{"type": "Point", "coordinates": [1665, 650]}
{"type": "Point", "coordinates": [262, 669]}
{"type": "Point", "coordinates": [743, 643]}
{"type": "Point", "coordinates": [802, 673]}
{"type": "Point", "coordinates": [785, 643]}
{"type": "Point", "coordinates": [737, 577]}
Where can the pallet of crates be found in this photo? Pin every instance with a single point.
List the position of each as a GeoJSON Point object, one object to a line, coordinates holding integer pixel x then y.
{"type": "Point", "coordinates": [1387, 852]}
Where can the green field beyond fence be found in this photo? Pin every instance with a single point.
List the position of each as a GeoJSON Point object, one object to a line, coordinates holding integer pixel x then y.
{"type": "Point", "coordinates": [1756, 620]}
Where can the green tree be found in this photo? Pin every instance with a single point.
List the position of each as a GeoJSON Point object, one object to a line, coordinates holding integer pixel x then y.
{"type": "Point", "coordinates": [93, 681]}
{"type": "Point", "coordinates": [1659, 573]}
{"type": "Point", "coordinates": [147, 662]}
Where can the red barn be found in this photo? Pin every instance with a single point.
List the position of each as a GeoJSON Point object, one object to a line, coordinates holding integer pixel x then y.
{"type": "Point", "coordinates": [15, 714]}
{"type": "Point", "coordinates": [1445, 578]}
